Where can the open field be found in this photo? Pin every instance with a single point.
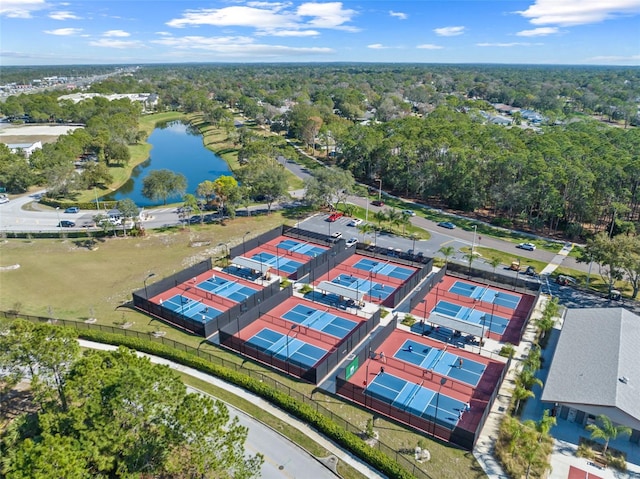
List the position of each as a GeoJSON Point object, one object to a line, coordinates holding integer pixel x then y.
{"type": "Point", "coordinates": [48, 133]}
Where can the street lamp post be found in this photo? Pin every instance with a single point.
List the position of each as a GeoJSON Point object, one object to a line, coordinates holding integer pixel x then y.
{"type": "Point", "coordinates": [413, 246]}
{"type": "Point", "coordinates": [435, 420]}
{"type": "Point", "coordinates": [150, 275]}
{"type": "Point", "coordinates": [380, 189]}
{"type": "Point", "coordinates": [58, 214]}
{"type": "Point", "coordinates": [244, 248]}
{"type": "Point", "coordinates": [293, 326]}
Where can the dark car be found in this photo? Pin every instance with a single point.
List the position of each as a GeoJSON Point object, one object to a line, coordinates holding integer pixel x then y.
{"type": "Point", "coordinates": [66, 224]}
{"type": "Point", "coordinates": [447, 224]}
{"type": "Point", "coordinates": [377, 203]}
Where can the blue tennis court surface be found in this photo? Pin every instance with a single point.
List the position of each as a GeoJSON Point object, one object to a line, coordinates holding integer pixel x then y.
{"type": "Point", "coordinates": [415, 399]}
{"type": "Point", "coordinates": [320, 320]}
{"type": "Point", "coordinates": [373, 289]}
{"type": "Point", "coordinates": [488, 295]}
{"type": "Point", "coordinates": [302, 248]}
{"type": "Point", "coordinates": [385, 268]}
{"type": "Point", "coordinates": [227, 288]}
{"type": "Point", "coordinates": [191, 308]}
{"type": "Point", "coordinates": [280, 263]}
{"type": "Point", "coordinates": [280, 345]}
{"type": "Point", "coordinates": [492, 322]}
{"type": "Point", "coordinates": [441, 361]}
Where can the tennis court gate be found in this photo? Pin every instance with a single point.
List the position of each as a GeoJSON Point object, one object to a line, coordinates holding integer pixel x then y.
{"type": "Point", "coordinates": [174, 318]}
{"type": "Point", "coordinates": [315, 374]}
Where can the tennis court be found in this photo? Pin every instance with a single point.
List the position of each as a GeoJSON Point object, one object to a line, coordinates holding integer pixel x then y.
{"type": "Point", "coordinates": [494, 323]}
{"type": "Point", "coordinates": [416, 399]}
{"type": "Point", "coordinates": [385, 268]}
{"type": "Point", "coordinates": [280, 345]}
{"type": "Point", "coordinates": [279, 262]}
{"type": "Point", "coordinates": [488, 295]}
{"type": "Point", "coordinates": [302, 248]}
{"type": "Point", "coordinates": [373, 289]}
{"type": "Point", "coordinates": [190, 308]}
{"type": "Point", "coordinates": [320, 320]}
{"type": "Point", "coordinates": [227, 288]}
{"type": "Point", "coordinates": [441, 361]}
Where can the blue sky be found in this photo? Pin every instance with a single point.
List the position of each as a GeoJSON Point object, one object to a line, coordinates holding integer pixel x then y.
{"type": "Point", "coordinates": [585, 32]}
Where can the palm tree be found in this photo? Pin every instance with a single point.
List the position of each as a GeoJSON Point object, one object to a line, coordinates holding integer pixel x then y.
{"type": "Point", "coordinates": [520, 393]}
{"type": "Point", "coordinates": [404, 221]}
{"type": "Point", "coordinates": [366, 228]}
{"type": "Point", "coordinates": [494, 263]}
{"type": "Point", "coordinates": [545, 424]}
{"type": "Point", "coordinates": [393, 216]}
{"type": "Point", "coordinates": [528, 379]}
{"type": "Point", "coordinates": [379, 216]}
{"type": "Point", "coordinates": [447, 252]}
{"type": "Point", "coordinates": [607, 431]}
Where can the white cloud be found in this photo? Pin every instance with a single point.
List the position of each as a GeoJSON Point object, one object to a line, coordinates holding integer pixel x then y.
{"type": "Point", "coordinates": [377, 46]}
{"type": "Point", "coordinates": [326, 15]}
{"type": "Point", "coordinates": [271, 18]}
{"type": "Point", "coordinates": [116, 33]}
{"type": "Point", "coordinates": [507, 45]}
{"type": "Point", "coordinates": [64, 32]}
{"type": "Point", "coordinates": [429, 46]}
{"type": "Point", "coordinates": [122, 44]}
{"type": "Point", "coordinates": [400, 15]}
{"type": "Point", "coordinates": [538, 32]}
{"type": "Point", "coordinates": [616, 59]}
{"type": "Point", "coordinates": [168, 34]}
{"type": "Point", "coordinates": [63, 16]}
{"type": "Point", "coordinates": [292, 33]}
{"type": "Point", "coordinates": [237, 46]}
{"type": "Point", "coordinates": [20, 8]}
{"type": "Point", "coordinates": [578, 12]}
{"type": "Point", "coordinates": [449, 31]}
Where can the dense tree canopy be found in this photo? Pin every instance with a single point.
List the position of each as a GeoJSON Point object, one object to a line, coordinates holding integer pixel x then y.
{"type": "Point", "coordinates": [112, 414]}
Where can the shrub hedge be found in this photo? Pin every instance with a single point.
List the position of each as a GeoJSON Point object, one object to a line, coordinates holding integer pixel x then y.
{"type": "Point", "coordinates": [302, 411]}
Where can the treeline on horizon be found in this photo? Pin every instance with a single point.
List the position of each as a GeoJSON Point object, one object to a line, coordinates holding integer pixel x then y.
{"type": "Point", "coordinates": [427, 137]}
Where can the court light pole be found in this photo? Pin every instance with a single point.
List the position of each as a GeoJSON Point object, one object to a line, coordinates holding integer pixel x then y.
{"type": "Point", "coordinates": [493, 307]}
{"type": "Point", "coordinates": [484, 323]}
{"type": "Point", "coordinates": [435, 420]}
{"type": "Point", "coordinates": [150, 275]}
{"type": "Point", "coordinates": [278, 260]}
{"type": "Point", "coordinates": [293, 326]}
{"type": "Point", "coordinates": [244, 248]}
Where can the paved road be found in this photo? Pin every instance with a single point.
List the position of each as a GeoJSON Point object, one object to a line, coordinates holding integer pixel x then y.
{"type": "Point", "coordinates": [282, 458]}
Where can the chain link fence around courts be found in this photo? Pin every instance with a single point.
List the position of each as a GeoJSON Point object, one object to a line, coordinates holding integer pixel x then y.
{"type": "Point", "coordinates": [403, 458]}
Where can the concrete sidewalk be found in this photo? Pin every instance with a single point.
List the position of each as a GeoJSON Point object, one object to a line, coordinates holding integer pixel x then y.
{"type": "Point", "coordinates": [330, 446]}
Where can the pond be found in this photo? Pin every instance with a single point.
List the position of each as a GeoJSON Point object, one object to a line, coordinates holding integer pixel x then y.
{"type": "Point", "coordinates": [178, 147]}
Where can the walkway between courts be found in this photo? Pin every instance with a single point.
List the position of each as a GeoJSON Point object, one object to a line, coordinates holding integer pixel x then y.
{"type": "Point", "coordinates": [343, 455]}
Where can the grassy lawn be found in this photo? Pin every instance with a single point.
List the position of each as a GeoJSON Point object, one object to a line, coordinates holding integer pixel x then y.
{"type": "Point", "coordinates": [488, 254]}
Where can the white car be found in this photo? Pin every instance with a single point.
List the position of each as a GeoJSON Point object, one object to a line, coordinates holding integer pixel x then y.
{"type": "Point", "coordinates": [336, 236]}
{"type": "Point", "coordinates": [4, 198]}
{"type": "Point", "coordinates": [355, 222]}
{"type": "Point", "coordinates": [352, 242]}
{"type": "Point", "coordinates": [409, 213]}
{"type": "Point", "coordinates": [526, 246]}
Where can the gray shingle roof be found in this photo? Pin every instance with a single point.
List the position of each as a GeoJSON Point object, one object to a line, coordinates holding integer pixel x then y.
{"type": "Point", "coordinates": [597, 347]}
